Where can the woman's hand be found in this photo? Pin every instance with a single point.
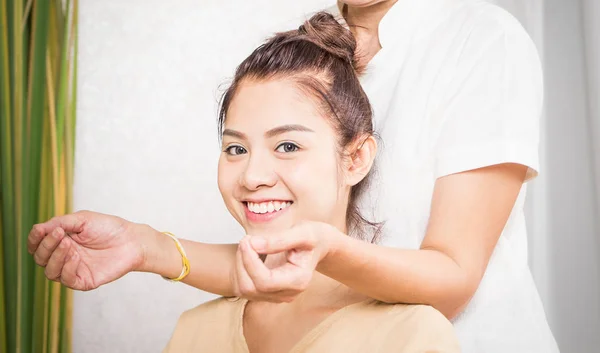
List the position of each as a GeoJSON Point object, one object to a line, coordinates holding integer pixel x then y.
{"type": "Point", "coordinates": [292, 257]}
{"type": "Point", "coordinates": [85, 250]}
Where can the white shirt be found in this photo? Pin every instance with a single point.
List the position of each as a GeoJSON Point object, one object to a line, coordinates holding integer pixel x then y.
{"type": "Point", "coordinates": [457, 86]}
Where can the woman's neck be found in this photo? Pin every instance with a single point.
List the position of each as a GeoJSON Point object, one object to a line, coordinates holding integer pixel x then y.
{"type": "Point", "coordinates": [364, 24]}
{"type": "Point", "coordinates": [328, 294]}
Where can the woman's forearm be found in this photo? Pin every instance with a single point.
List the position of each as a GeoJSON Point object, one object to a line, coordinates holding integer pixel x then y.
{"type": "Point", "coordinates": [211, 265]}
{"type": "Point", "coordinates": [399, 275]}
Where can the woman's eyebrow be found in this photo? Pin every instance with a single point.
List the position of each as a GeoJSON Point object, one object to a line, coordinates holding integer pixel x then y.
{"type": "Point", "coordinates": [234, 133]}
{"type": "Point", "coordinates": [273, 132]}
{"type": "Point", "coordinates": [286, 128]}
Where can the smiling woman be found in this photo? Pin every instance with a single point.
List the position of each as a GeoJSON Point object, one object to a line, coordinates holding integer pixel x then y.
{"type": "Point", "coordinates": [287, 154]}
{"type": "Point", "coordinates": [297, 145]}
{"type": "Point", "coordinates": [271, 88]}
{"type": "Point", "coordinates": [297, 150]}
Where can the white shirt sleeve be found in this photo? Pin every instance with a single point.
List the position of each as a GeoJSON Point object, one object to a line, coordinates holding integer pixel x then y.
{"type": "Point", "coordinates": [491, 110]}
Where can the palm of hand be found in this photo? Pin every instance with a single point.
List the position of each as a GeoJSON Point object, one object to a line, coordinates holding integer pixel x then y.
{"type": "Point", "coordinates": [104, 249]}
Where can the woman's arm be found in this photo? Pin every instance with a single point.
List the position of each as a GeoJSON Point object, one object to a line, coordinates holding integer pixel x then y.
{"type": "Point", "coordinates": [211, 265]}
{"type": "Point", "coordinates": [468, 213]}
{"type": "Point", "coordinates": [85, 250]}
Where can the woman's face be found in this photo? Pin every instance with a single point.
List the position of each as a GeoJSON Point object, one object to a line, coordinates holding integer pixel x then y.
{"type": "Point", "coordinates": [279, 163]}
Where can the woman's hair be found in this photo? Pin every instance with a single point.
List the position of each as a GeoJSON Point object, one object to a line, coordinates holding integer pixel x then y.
{"type": "Point", "coordinates": [320, 58]}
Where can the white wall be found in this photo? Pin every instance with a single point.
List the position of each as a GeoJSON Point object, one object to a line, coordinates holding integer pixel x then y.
{"type": "Point", "coordinates": [147, 141]}
{"type": "Point", "coordinates": [591, 36]}
{"type": "Point", "coordinates": [574, 249]}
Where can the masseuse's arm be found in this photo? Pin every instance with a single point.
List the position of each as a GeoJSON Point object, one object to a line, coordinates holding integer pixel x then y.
{"type": "Point", "coordinates": [469, 211]}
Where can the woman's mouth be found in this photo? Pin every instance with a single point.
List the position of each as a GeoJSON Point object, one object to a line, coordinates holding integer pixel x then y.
{"type": "Point", "coordinates": [265, 211]}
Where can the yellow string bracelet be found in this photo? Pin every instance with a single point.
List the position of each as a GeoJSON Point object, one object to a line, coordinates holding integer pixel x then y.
{"type": "Point", "coordinates": [184, 260]}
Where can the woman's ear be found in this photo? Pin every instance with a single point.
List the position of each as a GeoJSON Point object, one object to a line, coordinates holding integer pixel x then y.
{"type": "Point", "coordinates": [361, 155]}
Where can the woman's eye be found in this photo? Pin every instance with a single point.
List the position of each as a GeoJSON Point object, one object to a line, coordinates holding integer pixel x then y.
{"type": "Point", "coordinates": [287, 147]}
{"type": "Point", "coordinates": [235, 150]}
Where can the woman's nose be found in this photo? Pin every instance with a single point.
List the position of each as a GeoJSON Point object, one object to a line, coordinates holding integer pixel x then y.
{"type": "Point", "coordinates": [259, 173]}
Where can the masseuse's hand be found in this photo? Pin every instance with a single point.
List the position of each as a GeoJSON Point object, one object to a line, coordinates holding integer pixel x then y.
{"type": "Point", "coordinates": [292, 257]}
{"type": "Point", "coordinates": [85, 250]}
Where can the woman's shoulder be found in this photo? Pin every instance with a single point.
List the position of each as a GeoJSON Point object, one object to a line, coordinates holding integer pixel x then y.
{"type": "Point", "coordinates": [412, 327]}
{"type": "Point", "coordinates": [220, 312]}
{"type": "Point", "coordinates": [219, 307]}
{"type": "Point", "coordinates": [214, 321]}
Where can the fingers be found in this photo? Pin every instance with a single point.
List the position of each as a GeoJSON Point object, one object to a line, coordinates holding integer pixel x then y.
{"type": "Point", "coordinates": [69, 275]}
{"type": "Point", "coordinates": [288, 277]}
{"type": "Point", "coordinates": [245, 284]}
{"type": "Point", "coordinates": [247, 287]}
{"type": "Point", "coordinates": [36, 235]}
{"type": "Point", "coordinates": [70, 223]}
{"type": "Point", "coordinates": [291, 239]}
{"type": "Point", "coordinates": [255, 269]}
{"type": "Point", "coordinates": [47, 247]}
{"type": "Point", "coordinates": [57, 259]}
{"type": "Point", "coordinates": [301, 258]}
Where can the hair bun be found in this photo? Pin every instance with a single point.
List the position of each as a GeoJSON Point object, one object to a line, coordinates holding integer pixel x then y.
{"type": "Point", "coordinates": [323, 30]}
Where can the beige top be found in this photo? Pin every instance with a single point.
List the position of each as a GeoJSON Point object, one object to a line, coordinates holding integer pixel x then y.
{"type": "Point", "coordinates": [369, 326]}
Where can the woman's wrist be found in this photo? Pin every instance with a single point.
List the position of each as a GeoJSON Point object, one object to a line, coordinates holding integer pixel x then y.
{"type": "Point", "coordinates": [159, 253]}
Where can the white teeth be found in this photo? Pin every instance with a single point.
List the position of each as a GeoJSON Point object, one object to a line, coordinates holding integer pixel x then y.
{"type": "Point", "coordinates": [267, 207]}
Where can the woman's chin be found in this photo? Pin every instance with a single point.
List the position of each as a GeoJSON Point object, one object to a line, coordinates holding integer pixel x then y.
{"type": "Point", "coordinates": [267, 228]}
